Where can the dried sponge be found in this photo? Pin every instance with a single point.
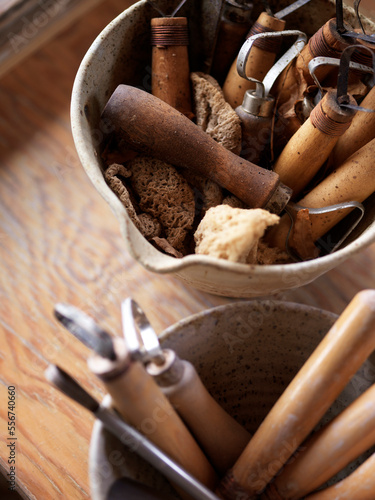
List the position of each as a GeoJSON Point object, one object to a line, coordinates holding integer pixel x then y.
{"type": "Point", "coordinates": [232, 233]}
{"type": "Point", "coordinates": [164, 194]}
{"type": "Point", "coordinates": [214, 114]}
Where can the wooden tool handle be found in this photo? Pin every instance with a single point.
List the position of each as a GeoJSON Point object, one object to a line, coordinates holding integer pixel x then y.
{"type": "Point", "coordinates": [361, 131]}
{"type": "Point", "coordinates": [220, 436]}
{"type": "Point", "coordinates": [140, 401]}
{"type": "Point", "coordinates": [331, 449]}
{"type": "Point", "coordinates": [261, 59]}
{"type": "Point", "coordinates": [354, 180]}
{"type": "Point", "coordinates": [151, 126]}
{"type": "Point", "coordinates": [313, 142]}
{"type": "Point", "coordinates": [321, 379]}
{"type": "Point", "coordinates": [360, 485]}
{"type": "Point", "coordinates": [170, 78]}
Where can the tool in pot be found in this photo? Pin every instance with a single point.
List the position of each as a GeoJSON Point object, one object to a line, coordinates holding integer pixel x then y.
{"type": "Point", "coordinates": [311, 145]}
{"type": "Point", "coordinates": [130, 437]}
{"type": "Point", "coordinates": [263, 54]}
{"type": "Point", "coordinates": [220, 436]}
{"type": "Point", "coordinates": [170, 72]}
{"type": "Point", "coordinates": [136, 396]}
{"type": "Point", "coordinates": [148, 125]}
{"type": "Point", "coordinates": [234, 24]}
{"type": "Point", "coordinates": [328, 451]}
{"type": "Point", "coordinates": [360, 485]}
{"type": "Point", "coordinates": [256, 110]}
{"type": "Point", "coordinates": [321, 379]}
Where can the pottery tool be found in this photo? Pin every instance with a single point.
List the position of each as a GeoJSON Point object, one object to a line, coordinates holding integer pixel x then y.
{"type": "Point", "coordinates": [353, 182]}
{"type": "Point", "coordinates": [329, 41]}
{"type": "Point", "coordinates": [170, 73]}
{"type": "Point", "coordinates": [234, 24]}
{"type": "Point", "coordinates": [360, 485]}
{"type": "Point", "coordinates": [324, 375]}
{"type": "Point", "coordinates": [360, 132]}
{"type": "Point", "coordinates": [263, 54]}
{"type": "Point", "coordinates": [311, 145]}
{"type": "Point", "coordinates": [256, 110]}
{"type": "Point", "coordinates": [149, 125]}
{"type": "Point", "coordinates": [130, 437]}
{"type": "Point", "coordinates": [328, 451]}
{"type": "Point", "coordinates": [137, 397]}
{"type": "Point", "coordinates": [220, 436]}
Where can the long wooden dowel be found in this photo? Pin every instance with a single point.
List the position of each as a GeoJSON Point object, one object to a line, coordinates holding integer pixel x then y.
{"type": "Point", "coordinates": [321, 379]}
{"type": "Point", "coordinates": [137, 397]}
{"type": "Point", "coordinates": [359, 485]}
{"type": "Point", "coordinates": [328, 451]}
{"type": "Point", "coordinates": [260, 61]}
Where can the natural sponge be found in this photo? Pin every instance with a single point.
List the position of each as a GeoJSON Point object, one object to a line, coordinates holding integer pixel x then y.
{"type": "Point", "coordinates": [165, 195]}
{"type": "Point", "coordinates": [214, 114]}
{"type": "Point", "coordinates": [232, 233]}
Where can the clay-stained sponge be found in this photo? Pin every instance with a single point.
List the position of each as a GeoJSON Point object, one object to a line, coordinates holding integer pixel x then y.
{"type": "Point", "coordinates": [165, 195]}
{"type": "Point", "coordinates": [233, 233]}
{"type": "Point", "coordinates": [214, 114]}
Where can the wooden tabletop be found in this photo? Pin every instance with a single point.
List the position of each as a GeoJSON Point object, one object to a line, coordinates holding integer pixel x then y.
{"type": "Point", "coordinates": [60, 242]}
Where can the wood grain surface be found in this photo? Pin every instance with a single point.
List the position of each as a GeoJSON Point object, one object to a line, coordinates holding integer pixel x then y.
{"type": "Point", "coordinates": [59, 242]}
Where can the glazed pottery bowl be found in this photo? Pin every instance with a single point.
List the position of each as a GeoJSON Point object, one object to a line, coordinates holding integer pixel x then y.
{"type": "Point", "coordinates": [246, 354]}
{"type": "Point", "coordinates": [121, 54]}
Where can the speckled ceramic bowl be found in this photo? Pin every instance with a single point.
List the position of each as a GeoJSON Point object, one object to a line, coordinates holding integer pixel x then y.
{"type": "Point", "coordinates": [246, 354]}
{"type": "Point", "coordinates": [121, 54]}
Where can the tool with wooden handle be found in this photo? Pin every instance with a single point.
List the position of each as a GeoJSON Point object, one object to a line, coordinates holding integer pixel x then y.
{"type": "Point", "coordinates": [359, 485]}
{"type": "Point", "coordinates": [319, 382]}
{"type": "Point", "coordinates": [311, 145]}
{"type": "Point", "coordinates": [233, 26]}
{"type": "Point", "coordinates": [220, 436]}
{"type": "Point", "coordinates": [170, 77]}
{"type": "Point", "coordinates": [188, 485]}
{"type": "Point", "coordinates": [263, 54]}
{"type": "Point", "coordinates": [328, 451]}
{"type": "Point", "coordinates": [354, 180]}
{"type": "Point", "coordinates": [360, 132]}
{"type": "Point", "coordinates": [137, 397]}
{"type": "Point", "coordinates": [149, 125]}
{"type": "Point", "coordinates": [256, 110]}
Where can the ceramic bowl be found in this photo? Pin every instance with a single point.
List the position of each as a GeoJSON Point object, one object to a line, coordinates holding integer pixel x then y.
{"type": "Point", "coordinates": [121, 54]}
{"type": "Point", "coordinates": [246, 354]}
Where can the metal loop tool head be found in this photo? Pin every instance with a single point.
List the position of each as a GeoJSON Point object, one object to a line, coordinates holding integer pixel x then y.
{"type": "Point", "coordinates": [263, 88]}
{"type": "Point", "coordinates": [173, 13]}
{"type": "Point", "coordinates": [344, 31]}
{"type": "Point", "coordinates": [84, 328]}
{"type": "Point", "coordinates": [293, 208]}
{"type": "Point", "coordinates": [140, 338]}
{"type": "Point", "coordinates": [344, 64]}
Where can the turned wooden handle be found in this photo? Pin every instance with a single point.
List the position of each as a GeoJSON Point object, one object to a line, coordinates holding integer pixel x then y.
{"type": "Point", "coordinates": [261, 59]}
{"type": "Point", "coordinates": [149, 125]}
{"type": "Point", "coordinates": [359, 485]}
{"type": "Point", "coordinates": [361, 131]}
{"type": "Point", "coordinates": [331, 449]}
{"type": "Point", "coordinates": [319, 382]}
{"type": "Point", "coordinates": [313, 142]}
{"type": "Point", "coordinates": [220, 436]}
{"type": "Point", "coordinates": [137, 397]}
{"type": "Point", "coordinates": [170, 78]}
